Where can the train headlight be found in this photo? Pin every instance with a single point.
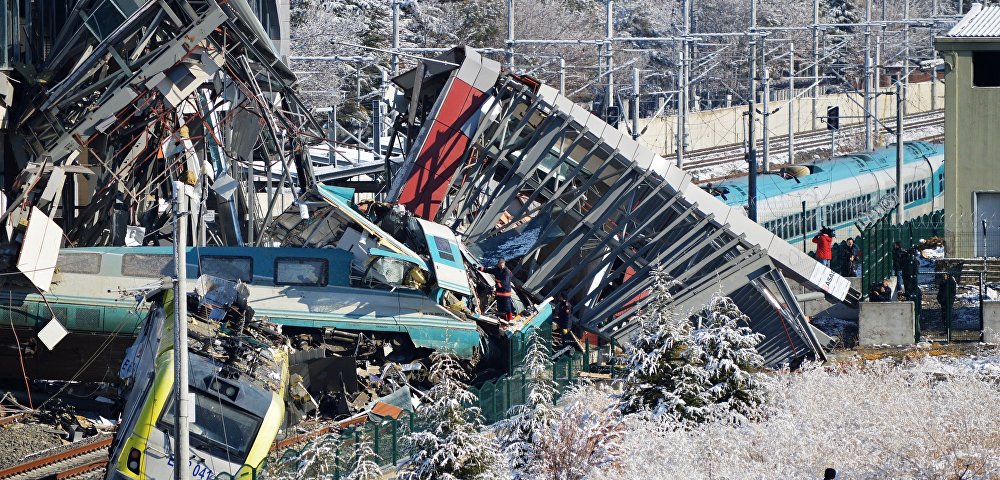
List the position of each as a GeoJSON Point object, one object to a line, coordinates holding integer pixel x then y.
{"type": "Point", "coordinates": [133, 460]}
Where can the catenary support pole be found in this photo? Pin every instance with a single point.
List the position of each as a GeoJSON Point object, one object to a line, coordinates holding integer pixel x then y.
{"type": "Point", "coordinates": [686, 72]}
{"type": "Point", "coordinates": [395, 37]}
{"type": "Point", "coordinates": [792, 121]}
{"type": "Point", "coordinates": [900, 210]}
{"type": "Point", "coordinates": [609, 63]}
{"type": "Point", "coordinates": [562, 76]}
{"type": "Point", "coordinates": [634, 107]}
{"type": "Point", "coordinates": [765, 128]}
{"type": "Point", "coordinates": [934, 87]}
{"type": "Point", "coordinates": [904, 71]}
{"type": "Point", "coordinates": [751, 138]}
{"type": "Point", "coordinates": [876, 90]}
{"type": "Point", "coordinates": [181, 428]}
{"type": "Point", "coordinates": [869, 143]}
{"type": "Point", "coordinates": [815, 67]}
{"type": "Point", "coordinates": [680, 106]}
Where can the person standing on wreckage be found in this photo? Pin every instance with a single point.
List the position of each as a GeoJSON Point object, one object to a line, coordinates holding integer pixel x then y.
{"type": "Point", "coordinates": [504, 289]}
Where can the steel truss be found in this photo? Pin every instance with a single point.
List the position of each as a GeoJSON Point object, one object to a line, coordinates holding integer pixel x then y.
{"type": "Point", "coordinates": [586, 211]}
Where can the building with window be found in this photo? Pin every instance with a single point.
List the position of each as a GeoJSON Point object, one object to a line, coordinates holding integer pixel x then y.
{"type": "Point", "coordinates": [971, 52]}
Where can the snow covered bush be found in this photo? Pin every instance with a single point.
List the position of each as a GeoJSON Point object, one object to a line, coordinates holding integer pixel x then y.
{"type": "Point", "coordinates": [679, 372]}
{"type": "Point", "coordinates": [726, 348]}
{"type": "Point", "coordinates": [449, 442]}
{"type": "Point", "coordinates": [929, 418]}
{"type": "Point", "coordinates": [317, 459]}
{"type": "Point", "coordinates": [585, 440]}
{"type": "Point", "coordinates": [366, 464]}
{"type": "Point", "coordinates": [658, 379]}
{"type": "Point", "coordinates": [521, 434]}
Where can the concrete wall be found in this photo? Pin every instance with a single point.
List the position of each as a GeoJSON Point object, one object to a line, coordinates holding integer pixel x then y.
{"type": "Point", "coordinates": [972, 142]}
{"type": "Point", "coordinates": [725, 126]}
{"type": "Point", "coordinates": [991, 321]}
{"type": "Point", "coordinates": [886, 323]}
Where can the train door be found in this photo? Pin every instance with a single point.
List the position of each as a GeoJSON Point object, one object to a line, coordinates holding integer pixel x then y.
{"type": "Point", "coordinates": [986, 206]}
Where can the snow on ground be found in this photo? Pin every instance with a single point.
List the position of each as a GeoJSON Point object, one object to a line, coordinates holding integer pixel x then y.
{"type": "Point", "coordinates": [928, 418]}
{"type": "Point", "coordinates": [846, 331]}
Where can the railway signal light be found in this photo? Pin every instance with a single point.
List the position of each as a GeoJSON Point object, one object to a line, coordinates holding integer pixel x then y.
{"type": "Point", "coordinates": [833, 118]}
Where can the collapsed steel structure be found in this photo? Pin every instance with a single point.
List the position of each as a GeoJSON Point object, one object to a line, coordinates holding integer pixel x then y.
{"type": "Point", "coordinates": [525, 174]}
{"type": "Point", "coordinates": [106, 102]}
{"type": "Point", "coordinates": [114, 102]}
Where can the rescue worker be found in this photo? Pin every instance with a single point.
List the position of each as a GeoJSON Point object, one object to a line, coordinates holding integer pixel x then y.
{"type": "Point", "coordinates": [946, 297]}
{"type": "Point", "coordinates": [504, 289]}
{"type": "Point", "coordinates": [911, 268]}
{"type": "Point", "coordinates": [898, 257]}
{"type": "Point", "coordinates": [563, 314]}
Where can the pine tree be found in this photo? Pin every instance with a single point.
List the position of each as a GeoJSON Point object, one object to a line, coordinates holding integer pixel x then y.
{"type": "Point", "coordinates": [693, 371]}
{"type": "Point", "coordinates": [366, 465]}
{"type": "Point", "coordinates": [663, 377]}
{"type": "Point", "coordinates": [448, 442]}
{"type": "Point", "coordinates": [521, 434]}
{"type": "Point", "coordinates": [729, 356]}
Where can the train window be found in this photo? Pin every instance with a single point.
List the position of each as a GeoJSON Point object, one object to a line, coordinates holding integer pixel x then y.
{"type": "Point", "coordinates": [225, 428]}
{"type": "Point", "coordinates": [79, 263]}
{"type": "Point", "coordinates": [444, 249]}
{"type": "Point", "coordinates": [986, 69]}
{"type": "Point", "coordinates": [147, 265]}
{"type": "Point", "coordinates": [300, 271]}
{"type": "Point", "coordinates": [229, 268]}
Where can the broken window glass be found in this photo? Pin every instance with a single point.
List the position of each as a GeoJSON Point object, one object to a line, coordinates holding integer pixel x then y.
{"type": "Point", "coordinates": [300, 271]}
{"type": "Point", "coordinates": [143, 265]}
{"type": "Point", "coordinates": [89, 263]}
{"type": "Point", "coordinates": [228, 268]}
{"type": "Point", "coordinates": [391, 272]}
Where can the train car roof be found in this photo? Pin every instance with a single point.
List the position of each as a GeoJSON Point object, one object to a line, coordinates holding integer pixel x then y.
{"type": "Point", "coordinates": [733, 191]}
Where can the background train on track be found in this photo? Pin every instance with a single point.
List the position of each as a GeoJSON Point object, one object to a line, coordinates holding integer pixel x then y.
{"type": "Point", "coordinates": [795, 201]}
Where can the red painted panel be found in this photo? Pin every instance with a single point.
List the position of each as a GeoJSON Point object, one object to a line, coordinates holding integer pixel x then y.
{"type": "Point", "coordinates": [442, 153]}
{"type": "Point", "coordinates": [442, 150]}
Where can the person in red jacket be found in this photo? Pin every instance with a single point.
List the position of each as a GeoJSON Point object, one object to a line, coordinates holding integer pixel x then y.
{"type": "Point", "coordinates": [824, 242]}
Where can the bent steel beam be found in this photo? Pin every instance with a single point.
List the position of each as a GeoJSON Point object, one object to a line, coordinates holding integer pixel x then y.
{"type": "Point", "coordinates": [585, 210]}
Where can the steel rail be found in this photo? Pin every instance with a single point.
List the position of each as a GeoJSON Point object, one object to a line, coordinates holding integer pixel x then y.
{"type": "Point", "coordinates": [59, 457]}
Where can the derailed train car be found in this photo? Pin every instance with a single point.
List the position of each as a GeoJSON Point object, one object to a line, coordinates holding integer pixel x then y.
{"type": "Point", "coordinates": [238, 378]}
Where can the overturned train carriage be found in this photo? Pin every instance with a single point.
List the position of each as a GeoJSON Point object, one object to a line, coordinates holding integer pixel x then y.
{"type": "Point", "coordinates": [523, 173]}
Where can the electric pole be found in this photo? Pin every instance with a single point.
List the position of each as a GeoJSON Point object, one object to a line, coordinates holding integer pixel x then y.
{"type": "Point", "coordinates": [609, 50]}
{"type": "Point", "coordinates": [509, 50]}
{"type": "Point", "coordinates": [765, 117]}
{"type": "Point", "coordinates": [634, 107]}
{"type": "Point", "coordinates": [792, 123]}
{"type": "Point", "coordinates": [900, 210]}
{"type": "Point", "coordinates": [751, 138]}
{"type": "Point", "coordinates": [868, 76]}
{"type": "Point", "coordinates": [182, 446]}
{"type": "Point", "coordinates": [395, 38]}
{"type": "Point", "coordinates": [815, 69]}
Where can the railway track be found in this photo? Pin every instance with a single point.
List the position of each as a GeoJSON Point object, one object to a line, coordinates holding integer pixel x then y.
{"type": "Point", "coordinates": [87, 457]}
{"type": "Point", "coordinates": [720, 155]}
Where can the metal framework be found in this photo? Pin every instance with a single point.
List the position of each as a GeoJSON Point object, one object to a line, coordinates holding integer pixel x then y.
{"type": "Point", "coordinates": [585, 210]}
{"type": "Point", "coordinates": [130, 96]}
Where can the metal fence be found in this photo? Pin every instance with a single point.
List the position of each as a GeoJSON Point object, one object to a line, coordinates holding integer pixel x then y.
{"type": "Point", "coordinates": [877, 241]}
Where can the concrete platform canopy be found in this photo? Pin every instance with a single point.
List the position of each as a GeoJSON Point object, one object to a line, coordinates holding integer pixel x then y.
{"type": "Point", "coordinates": [582, 209]}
